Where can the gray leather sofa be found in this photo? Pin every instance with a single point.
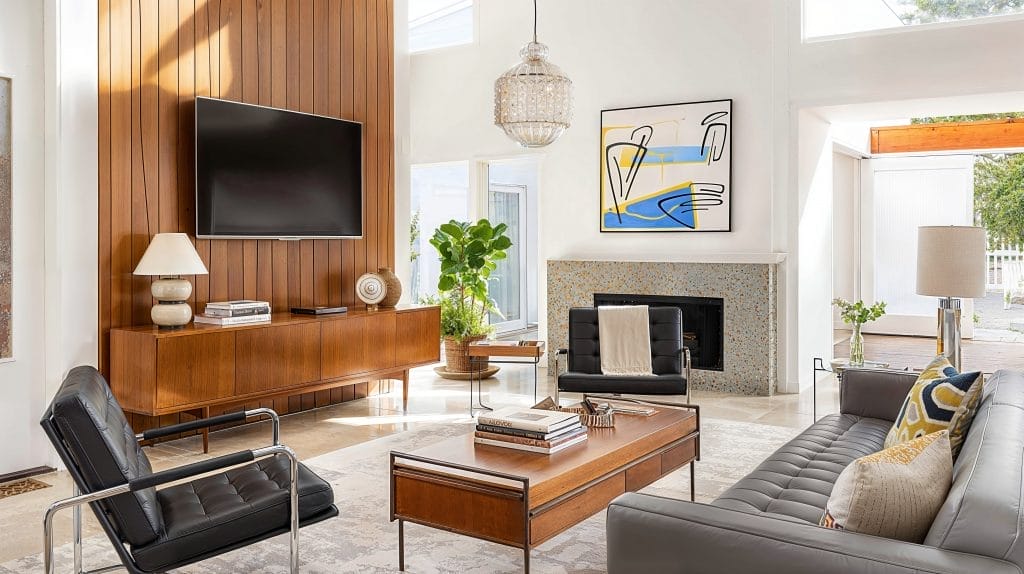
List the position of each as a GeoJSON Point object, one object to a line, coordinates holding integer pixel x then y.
{"type": "Point", "coordinates": [767, 522]}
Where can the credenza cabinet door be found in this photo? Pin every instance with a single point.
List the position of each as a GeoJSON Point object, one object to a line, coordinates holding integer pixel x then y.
{"type": "Point", "coordinates": [419, 337]}
{"type": "Point", "coordinates": [358, 345]}
{"type": "Point", "coordinates": [277, 357]}
{"type": "Point", "coordinates": [379, 338]}
{"type": "Point", "coordinates": [344, 350]}
{"type": "Point", "coordinates": [195, 369]}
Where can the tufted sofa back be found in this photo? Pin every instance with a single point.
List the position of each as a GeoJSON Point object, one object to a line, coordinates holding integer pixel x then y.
{"type": "Point", "coordinates": [87, 419]}
{"type": "Point", "coordinates": [982, 513]}
{"type": "Point", "coordinates": [666, 340]}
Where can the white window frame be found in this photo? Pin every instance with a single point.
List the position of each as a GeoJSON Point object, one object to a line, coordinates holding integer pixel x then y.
{"type": "Point", "coordinates": [474, 5]}
{"type": "Point", "coordinates": [804, 38]}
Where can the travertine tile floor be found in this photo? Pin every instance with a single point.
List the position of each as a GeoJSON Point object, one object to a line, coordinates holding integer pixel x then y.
{"type": "Point", "coordinates": [432, 400]}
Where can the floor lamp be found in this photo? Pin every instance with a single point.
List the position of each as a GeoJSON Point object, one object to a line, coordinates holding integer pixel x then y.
{"type": "Point", "coordinates": [951, 265]}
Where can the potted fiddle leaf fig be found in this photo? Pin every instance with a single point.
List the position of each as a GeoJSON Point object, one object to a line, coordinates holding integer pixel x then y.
{"type": "Point", "coordinates": [469, 253]}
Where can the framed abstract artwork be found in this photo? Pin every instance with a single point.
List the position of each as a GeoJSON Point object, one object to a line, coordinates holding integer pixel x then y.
{"type": "Point", "coordinates": [6, 183]}
{"type": "Point", "coordinates": [667, 168]}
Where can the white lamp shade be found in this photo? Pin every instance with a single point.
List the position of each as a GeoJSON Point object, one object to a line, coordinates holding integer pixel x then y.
{"type": "Point", "coordinates": [170, 254]}
{"type": "Point", "coordinates": [951, 261]}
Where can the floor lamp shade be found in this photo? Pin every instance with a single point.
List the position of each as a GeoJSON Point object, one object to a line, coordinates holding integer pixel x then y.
{"type": "Point", "coordinates": [951, 265]}
{"type": "Point", "coordinates": [951, 261]}
{"type": "Point", "coordinates": [171, 255]}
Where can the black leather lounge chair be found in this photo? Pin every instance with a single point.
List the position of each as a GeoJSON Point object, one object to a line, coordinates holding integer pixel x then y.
{"type": "Point", "coordinates": [158, 530]}
{"type": "Point", "coordinates": [670, 359]}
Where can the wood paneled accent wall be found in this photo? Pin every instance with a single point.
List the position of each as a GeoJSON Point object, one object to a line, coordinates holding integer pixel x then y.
{"type": "Point", "coordinates": [328, 57]}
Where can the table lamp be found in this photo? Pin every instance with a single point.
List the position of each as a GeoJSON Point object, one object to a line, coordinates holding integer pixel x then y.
{"type": "Point", "coordinates": [950, 265]}
{"type": "Point", "coordinates": [168, 256]}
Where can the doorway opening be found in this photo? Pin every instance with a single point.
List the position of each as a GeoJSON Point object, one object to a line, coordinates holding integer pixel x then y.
{"type": "Point", "coordinates": [502, 190]}
{"type": "Point", "coordinates": [879, 199]}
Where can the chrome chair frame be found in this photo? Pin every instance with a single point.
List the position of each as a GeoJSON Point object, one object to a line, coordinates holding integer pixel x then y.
{"type": "Point", "coordinates": [172, 475]}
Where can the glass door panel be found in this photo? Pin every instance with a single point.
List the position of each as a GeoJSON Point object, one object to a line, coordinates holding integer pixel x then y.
{"type": "Point", "coordinates": [507, 204]}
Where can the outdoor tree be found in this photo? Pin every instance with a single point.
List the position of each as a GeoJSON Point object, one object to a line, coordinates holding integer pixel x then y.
{"type": "Point", "coordinates": [927, 11]}
{"type": "Point", "coordinates": [999, 196]}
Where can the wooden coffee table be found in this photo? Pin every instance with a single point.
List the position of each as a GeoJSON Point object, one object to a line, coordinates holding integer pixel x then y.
{"type": "Point", "coordinates": [522, 499]}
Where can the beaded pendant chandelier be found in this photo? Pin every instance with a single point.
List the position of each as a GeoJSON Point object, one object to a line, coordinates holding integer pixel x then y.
{"type": "Point", "coordinates": [533, 99]}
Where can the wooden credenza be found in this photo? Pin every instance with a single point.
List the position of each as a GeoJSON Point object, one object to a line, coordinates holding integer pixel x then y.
{"type": "Point", "coordinates": [155, 373]}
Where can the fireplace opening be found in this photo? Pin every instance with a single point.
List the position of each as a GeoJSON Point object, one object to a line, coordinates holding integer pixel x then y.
{"type": "Point", "coordinates": [703, 325]}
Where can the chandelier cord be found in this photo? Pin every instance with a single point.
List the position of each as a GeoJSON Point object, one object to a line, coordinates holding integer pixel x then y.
{"type": "Point", "coordinates": [534, 21]}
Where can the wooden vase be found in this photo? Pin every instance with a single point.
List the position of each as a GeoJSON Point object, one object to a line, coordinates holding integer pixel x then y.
{"type": "Point", "coordinates": [394, 287]}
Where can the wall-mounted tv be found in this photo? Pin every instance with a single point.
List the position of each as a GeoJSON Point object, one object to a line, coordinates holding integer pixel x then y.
{"type": "Point", "coordinates": [276, 174]}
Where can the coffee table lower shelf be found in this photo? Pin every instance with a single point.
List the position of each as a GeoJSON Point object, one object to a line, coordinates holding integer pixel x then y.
{"type": "Point", "coordinates": [497, 507]}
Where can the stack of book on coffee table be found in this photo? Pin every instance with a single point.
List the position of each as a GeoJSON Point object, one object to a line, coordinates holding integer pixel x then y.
{"type": "Point", "coordinates": [531, 430]}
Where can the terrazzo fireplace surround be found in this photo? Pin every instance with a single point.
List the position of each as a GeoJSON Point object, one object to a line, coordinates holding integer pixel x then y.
{"type": "Point", "coordinates": [746, 284]}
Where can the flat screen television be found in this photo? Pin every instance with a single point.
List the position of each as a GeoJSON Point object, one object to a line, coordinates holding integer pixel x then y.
{"type": "Point", "coordinates": [276, 174]}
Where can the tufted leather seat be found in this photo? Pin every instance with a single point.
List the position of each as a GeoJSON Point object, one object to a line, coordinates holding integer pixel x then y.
{"type": "Point", "coordinates": [180, 524]}
{"type": "Point", "coordinates": [795, 482]}
{"type": "Point", "coordinates": [583, 374]}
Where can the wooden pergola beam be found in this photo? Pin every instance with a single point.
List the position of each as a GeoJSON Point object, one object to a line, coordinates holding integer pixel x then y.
{"type": "Point", "coordinates": [980, 135]}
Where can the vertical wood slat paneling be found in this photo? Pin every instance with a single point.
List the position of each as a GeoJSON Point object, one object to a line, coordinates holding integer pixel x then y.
{"type": "Point", "coordinates": [329, 57]}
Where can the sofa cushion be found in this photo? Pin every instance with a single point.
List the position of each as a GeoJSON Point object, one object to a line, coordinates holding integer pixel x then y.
{"type": "Point", "coordinates": [795, 482]}
{"type": "Point", "coordinates": [983, 512]}
{"type": "Point", "coordinates": [934, 402]}
{"type": "Point", "coordinates": [894, 493]}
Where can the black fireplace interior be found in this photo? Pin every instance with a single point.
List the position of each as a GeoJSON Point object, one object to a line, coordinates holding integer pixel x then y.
{"type": "Point", "coordinates": [702, 323]}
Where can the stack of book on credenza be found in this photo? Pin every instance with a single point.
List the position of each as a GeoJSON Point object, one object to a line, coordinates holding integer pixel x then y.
{"type": "Point", "coordinates": [241, 312]}
{"type": "Point", "coordinates": [531, 430]}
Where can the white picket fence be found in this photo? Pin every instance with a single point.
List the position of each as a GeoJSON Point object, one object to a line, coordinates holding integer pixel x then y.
{"type": "Point", "coordinates": [1006, 270]}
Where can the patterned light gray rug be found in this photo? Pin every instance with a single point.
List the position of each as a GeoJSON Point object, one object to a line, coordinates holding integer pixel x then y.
{"type": "Point", "coordinates": [362, 539]}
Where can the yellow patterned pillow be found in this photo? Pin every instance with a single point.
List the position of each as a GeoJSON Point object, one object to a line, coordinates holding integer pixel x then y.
{"type": "Point", "coordinates": [941, 399]}
{"type": "Point", "coordinates": [894, 493]}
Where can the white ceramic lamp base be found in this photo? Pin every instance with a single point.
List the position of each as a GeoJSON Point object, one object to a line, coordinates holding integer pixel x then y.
{"type": "Point", "coordinates": [172, 310]}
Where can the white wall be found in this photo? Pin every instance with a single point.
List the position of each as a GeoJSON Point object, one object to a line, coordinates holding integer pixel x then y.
{"type": "Point", "coordinates": [22, 389]}
{"type": "Point", "coordinates": [845, 229]}
{"type": "Point", "coordinates": [71, 199]}
{"type": "Point", "coordinates": [617, 54]}
{"type": "Point", "coordinates": [814, 197]}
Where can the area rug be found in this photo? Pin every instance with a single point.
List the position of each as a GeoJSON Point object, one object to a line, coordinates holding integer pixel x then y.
{"type": "Point", "coordinates": [362, 539]}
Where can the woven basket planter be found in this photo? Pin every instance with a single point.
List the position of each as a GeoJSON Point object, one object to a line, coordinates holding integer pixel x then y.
{"type": "Point", "coordinates": [455, 356]}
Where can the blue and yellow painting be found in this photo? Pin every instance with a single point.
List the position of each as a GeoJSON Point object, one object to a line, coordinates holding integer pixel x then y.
{"type": "Point", "coordinates": [666, 168]}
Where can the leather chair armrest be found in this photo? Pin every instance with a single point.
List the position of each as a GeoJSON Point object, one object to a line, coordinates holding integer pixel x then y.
{"type": "Point", "coordinates": [652, 534]}
{"type": "Point", "coordinates": [237, 416]}
{"type": "Point", "coordinates": [874, 393]}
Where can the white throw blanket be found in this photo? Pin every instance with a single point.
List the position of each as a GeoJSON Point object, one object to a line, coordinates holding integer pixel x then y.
{"type": "Point", "coordinates": [625, 335]}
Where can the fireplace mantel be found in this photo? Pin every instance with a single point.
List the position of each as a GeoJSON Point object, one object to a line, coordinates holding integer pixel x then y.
{"type": "Point", "coordinates": [746, 285]}
{"type": "Point", "coordinates": [748, 258]}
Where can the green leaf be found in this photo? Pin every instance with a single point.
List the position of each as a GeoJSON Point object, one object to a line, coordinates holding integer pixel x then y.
{"type": "Point", "coordinates": [445, 283]}
{"type": "Point", "coordinates": [501, 243]}
{"type": "Point", "coordinates": [498, 255]}
{"type": "Point", "coordinates": [452, 229]}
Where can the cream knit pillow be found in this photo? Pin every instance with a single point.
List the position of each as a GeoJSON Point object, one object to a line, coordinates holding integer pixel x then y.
{"type": "Point", "coordinates": [894, 493]}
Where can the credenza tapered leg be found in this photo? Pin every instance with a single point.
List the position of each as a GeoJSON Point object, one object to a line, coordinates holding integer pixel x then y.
{"type": "Point", "coordinates": [405, 390]}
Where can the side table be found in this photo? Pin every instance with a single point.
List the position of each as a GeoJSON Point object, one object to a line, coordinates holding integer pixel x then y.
{"type": "Point", "coordinates": [481, 353]}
